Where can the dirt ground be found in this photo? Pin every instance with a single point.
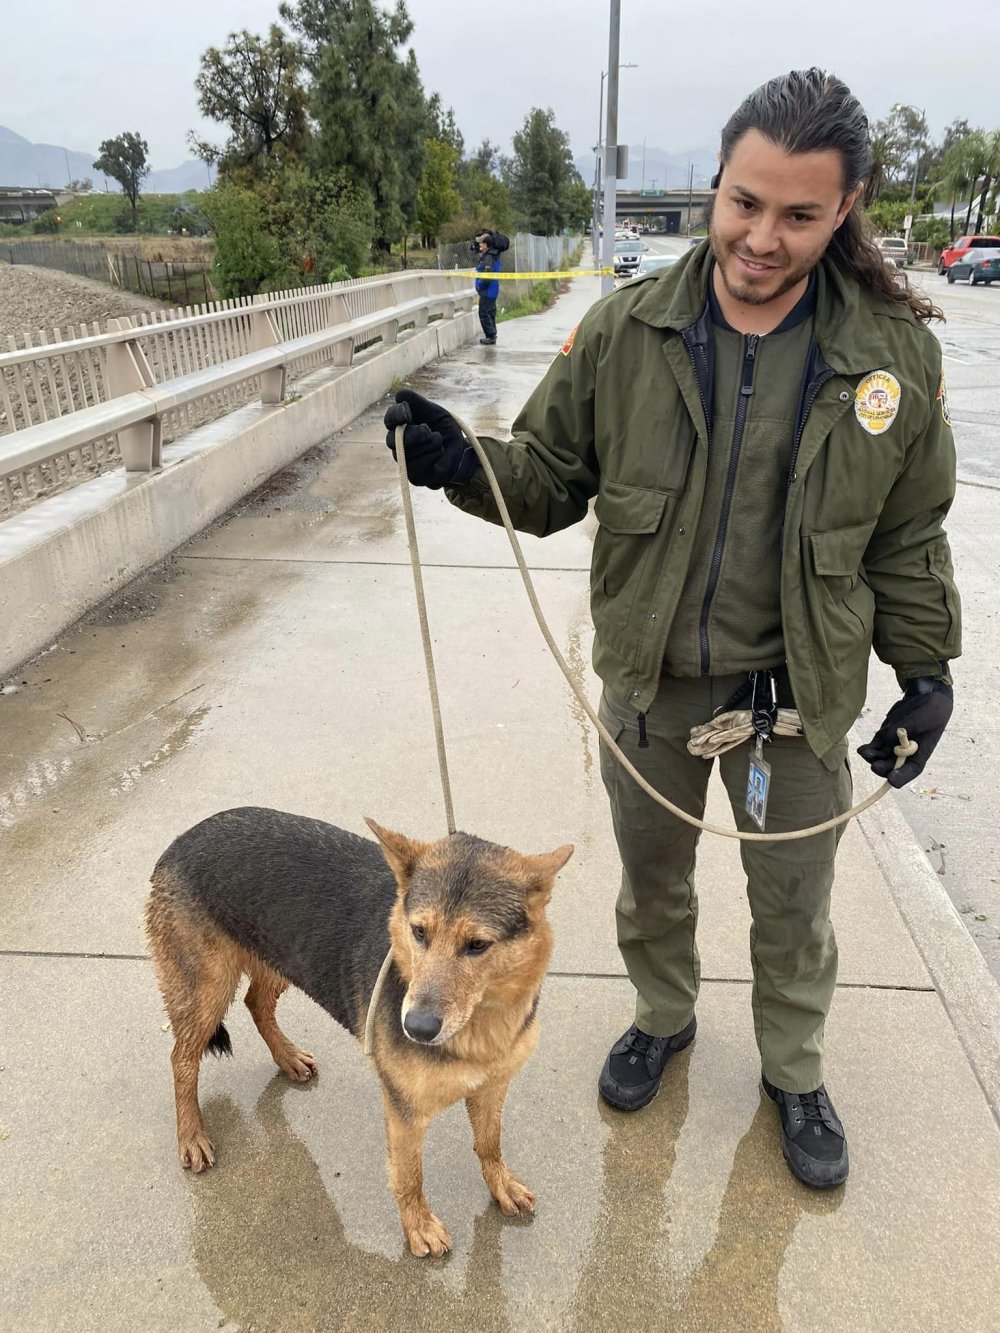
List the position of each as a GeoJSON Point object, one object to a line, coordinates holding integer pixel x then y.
{"type": "Point", "coordinates": [33, 299]}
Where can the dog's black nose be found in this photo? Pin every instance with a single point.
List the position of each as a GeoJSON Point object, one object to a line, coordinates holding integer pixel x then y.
{"type": "Point", "coordinates": [422, 1024]}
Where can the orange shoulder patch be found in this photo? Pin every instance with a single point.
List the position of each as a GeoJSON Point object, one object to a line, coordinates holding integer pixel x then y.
{"type": "Point", "coordinates": [567, 346]}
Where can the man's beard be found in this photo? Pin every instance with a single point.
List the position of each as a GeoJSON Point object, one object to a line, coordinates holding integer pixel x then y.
{"type": "Point", "coordinates": [750, 295]}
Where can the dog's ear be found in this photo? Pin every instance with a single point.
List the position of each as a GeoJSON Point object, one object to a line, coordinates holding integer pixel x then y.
{"type": "Point", "coordinates": [402, 853]}
{"type": "Point", "coordinates": [541, 870]}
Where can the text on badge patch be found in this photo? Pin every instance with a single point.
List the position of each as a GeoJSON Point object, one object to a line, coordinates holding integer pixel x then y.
{"type": "Point", "coordinates": [876, 401]}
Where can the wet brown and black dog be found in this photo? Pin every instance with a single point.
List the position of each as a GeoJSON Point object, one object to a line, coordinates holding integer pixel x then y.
{"type": "Point", "coordinates": [289, 900]}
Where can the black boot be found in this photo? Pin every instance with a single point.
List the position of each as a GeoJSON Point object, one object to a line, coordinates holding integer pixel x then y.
{"type": "Point", "coordinates": [488, 342]}
{"type": "Point", "coordinates": [635, 1064]}
{"type": "Point", "coordinates": [812, 1137]}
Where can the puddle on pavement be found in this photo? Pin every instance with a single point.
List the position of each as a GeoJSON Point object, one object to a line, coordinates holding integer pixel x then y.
{"type": "Point", "coordinates": [273, 1250]}
{"type": "Point", "coordinates": [271, 1247]}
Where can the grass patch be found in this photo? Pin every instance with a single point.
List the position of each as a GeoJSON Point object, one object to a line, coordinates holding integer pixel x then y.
{"type": "Point", "coordinates": [541, 296]}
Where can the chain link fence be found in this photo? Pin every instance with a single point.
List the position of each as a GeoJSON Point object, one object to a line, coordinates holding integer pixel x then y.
{"type": "Point", "coordinates": [527, 254]}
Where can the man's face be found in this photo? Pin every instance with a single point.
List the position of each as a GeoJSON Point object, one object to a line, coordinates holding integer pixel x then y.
{"type": "Point", "coordinates": [774, 215]}
{"type": "Point", "coordinates": [482, 247]}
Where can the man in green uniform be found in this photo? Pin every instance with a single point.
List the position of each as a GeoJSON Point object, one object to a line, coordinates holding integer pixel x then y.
{"type": "Point", "coordinates": [765, 431]}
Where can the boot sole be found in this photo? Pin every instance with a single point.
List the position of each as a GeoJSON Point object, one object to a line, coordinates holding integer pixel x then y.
{"type": "Point", "coordinates": [654, 1089]}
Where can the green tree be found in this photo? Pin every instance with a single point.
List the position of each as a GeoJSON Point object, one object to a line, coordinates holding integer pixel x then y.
{"type": "Point", "coordinates": [252, 85]}
{"type": "Point", "coordinates": [321, 223]}
{"type": "Point", "coordinates": [247, 255]}
{"type": "Point", "coordinates": [366, 102]}
{"type": "Point", "coordinates": [123, 158]}
{"type": "Point", "coordinates": [541, 174]}
{"type": "Point", "coordinates": [438, 199]}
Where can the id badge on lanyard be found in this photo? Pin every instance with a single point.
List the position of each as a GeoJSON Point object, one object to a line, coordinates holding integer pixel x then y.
{"type": "Point", "coordinates": [758, 785]}
{"type": "Point", "coordinates": [763, 713]}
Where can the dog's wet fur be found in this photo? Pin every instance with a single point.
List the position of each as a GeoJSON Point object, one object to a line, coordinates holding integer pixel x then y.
{"type": "Point", "coordinates": [288, 900]}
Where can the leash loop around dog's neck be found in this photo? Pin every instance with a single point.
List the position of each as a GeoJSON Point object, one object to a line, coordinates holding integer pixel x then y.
{"type": "Point", "coordinates": [383, 972]}
{"type": "Point", "coordinates": [905, 747]}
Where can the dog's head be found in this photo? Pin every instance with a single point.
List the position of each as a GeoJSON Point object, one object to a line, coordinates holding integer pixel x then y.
{"type": "Point", "coordinates": [468, 927]}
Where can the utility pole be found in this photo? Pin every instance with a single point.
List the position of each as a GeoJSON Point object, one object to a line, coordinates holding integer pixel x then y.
{"type": "Point", "coordinates": [690, 191]}
{"type": "Point", "coordinates": [599, 150]}
{"type": "Point", "coordinates": [611, 150]}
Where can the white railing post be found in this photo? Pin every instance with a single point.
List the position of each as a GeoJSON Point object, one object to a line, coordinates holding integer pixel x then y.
{"type": "Point", "coordinates": [127, 371]}
{"type": "Point", "coordinates": [385, 300]}
{"type": "Point", "coordinates": [343, 351]}
{"type": "Point", "coordinates": [264, 333]}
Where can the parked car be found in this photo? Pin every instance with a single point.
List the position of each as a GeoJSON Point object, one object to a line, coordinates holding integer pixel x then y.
{"type": "Point", "coordinates": [976, 266]}
{"type": "Point", "coordinates": [894, 248]}
{"type": "Point", "coordinates": [628, 255]}
{"type": "Point", "coordinates": [650, 263]}
{"type": "Point", "coordinates": [958, 249]}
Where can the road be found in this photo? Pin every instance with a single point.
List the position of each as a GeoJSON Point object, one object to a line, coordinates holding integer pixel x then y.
{"type": "Point", "coordinates": [954, 808]}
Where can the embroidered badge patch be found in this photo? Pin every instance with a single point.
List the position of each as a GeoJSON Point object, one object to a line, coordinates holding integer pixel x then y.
{"type": "Point", "coordinates": [876, 401]}
{"type": "Point", "coordinates": [942, 397]}
{"type": "Point", "coordinates": [567, 346]}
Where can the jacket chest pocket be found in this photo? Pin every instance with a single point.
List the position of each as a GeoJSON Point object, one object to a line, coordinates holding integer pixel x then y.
{"type": "Point", "coordinates": [629, 519]}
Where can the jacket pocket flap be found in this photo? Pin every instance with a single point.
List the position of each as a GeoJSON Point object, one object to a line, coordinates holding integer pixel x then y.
{"type": "Point", "coordinates": [840, 551]}
{"type": "Point", "coordinates": [629, 509]}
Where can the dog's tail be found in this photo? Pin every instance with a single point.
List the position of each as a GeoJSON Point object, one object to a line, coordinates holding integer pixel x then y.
{"type": "Point", "coordinates": [219, 1043]}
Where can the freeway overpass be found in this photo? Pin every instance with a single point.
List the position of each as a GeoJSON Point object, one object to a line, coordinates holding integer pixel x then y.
{"type": "Point", "coordinates": [677, 210]}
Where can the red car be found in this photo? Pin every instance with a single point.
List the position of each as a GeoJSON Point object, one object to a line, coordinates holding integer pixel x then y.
{"type": "Point", "coordinates": [959, 248]}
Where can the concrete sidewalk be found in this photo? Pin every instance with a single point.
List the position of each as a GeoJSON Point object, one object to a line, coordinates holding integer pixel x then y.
{"type": "Point", "coordinates": [276, 660]}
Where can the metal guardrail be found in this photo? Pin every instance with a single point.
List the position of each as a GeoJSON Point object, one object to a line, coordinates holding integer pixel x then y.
{"type": "Point", "coordinates": [78, 406]}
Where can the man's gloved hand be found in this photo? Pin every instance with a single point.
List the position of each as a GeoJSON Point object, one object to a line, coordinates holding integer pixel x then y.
{"type": "Point", "coordinates": [437, 453]}
{"type": "Point", "coordinates": [924, 711]}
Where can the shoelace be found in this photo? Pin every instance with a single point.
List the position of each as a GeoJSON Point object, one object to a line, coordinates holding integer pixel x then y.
{"type": "Point", "coordinates": [640, 1041]}
{"type": "Point", "coordinates": [813, 1106]}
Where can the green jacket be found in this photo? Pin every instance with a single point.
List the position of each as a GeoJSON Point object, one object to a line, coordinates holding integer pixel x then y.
{"type": "Point", "coordinates": [620, 415]}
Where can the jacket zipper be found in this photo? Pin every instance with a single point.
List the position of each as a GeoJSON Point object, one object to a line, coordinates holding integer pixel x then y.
{"type": "Point", "coordinates": [742, 407]}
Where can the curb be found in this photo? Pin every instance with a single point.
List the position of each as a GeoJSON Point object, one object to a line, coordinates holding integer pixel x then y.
{"type": "Point", "coordinates": [964, 983]}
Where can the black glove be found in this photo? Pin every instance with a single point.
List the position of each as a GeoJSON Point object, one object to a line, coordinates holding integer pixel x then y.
{"type": "Point", "coordinates": [924, 711]}
{"type": "Point", "coordinates": [437, 453]}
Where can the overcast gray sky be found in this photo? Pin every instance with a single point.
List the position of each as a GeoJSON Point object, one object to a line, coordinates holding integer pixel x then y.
{"type": "Point", "coordinates": [77, 73]}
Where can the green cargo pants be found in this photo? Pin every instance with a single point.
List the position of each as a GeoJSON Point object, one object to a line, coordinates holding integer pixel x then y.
{"type": "Point", "coordinates": [792, 947]}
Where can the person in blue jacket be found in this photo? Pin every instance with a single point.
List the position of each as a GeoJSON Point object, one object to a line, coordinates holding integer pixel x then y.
{"type": "Point", "coordinates": [488, 288]}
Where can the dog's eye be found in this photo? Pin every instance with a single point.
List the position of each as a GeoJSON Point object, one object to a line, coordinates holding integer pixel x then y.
{"type": "Point", "coordinates": [477, 946]}
{"type": "Point", "coordinates": [419, 934]}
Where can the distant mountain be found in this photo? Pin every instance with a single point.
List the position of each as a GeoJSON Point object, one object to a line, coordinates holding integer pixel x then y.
{"type": "Point", "coordinates": [33, 164]}
{"type": "Point", "coordinates": [660, 165]}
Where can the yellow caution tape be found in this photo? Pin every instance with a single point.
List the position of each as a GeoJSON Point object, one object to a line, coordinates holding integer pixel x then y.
{"type": "Point", "coordinates": [536, 277]}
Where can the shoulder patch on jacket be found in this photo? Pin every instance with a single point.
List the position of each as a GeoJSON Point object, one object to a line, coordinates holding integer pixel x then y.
{"type": "Point", "coordinates": [942, 397]}
{"type": "Point", "coordinates": [567, 346]}
{"type": "Point", "coordinates": [876, 401]}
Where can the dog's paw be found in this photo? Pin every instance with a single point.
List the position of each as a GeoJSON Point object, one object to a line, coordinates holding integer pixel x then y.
{"type": "Point", "coordinates": [511, 1194]}
{"type": "Point", "coordinates": [197, 1152]}
{"type": "Point", "coordinates": [427, 1235]}
{"type": "Point", "coordinates": [298, 1065]}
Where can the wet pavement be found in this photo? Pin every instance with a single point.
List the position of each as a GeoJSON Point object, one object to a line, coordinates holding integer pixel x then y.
{"type": "Point", "coordinates": [275, 660]}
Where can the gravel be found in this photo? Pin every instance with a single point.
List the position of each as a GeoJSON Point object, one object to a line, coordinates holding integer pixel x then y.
{"type": "Point", "coordinates": [39, 298]}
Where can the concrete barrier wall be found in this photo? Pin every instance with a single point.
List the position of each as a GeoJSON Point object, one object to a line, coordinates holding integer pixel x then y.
{"type": "Point", "coordinates": [68, 554]}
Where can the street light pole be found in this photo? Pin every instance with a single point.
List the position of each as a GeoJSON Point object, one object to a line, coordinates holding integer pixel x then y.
{"type": "Point", "coordinates": [611, 149]}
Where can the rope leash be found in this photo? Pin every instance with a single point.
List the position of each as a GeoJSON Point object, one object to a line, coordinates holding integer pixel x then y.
{"type": "Point", "coordinates": [722, 733]}
{"type": "Point", "coordinates": [905, 747]}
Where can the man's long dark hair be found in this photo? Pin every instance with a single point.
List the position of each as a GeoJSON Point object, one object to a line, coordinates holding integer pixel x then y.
{"type": "Point", "coordinates": [810, 111]}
